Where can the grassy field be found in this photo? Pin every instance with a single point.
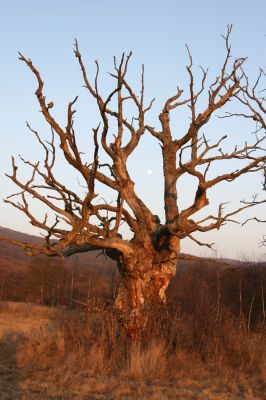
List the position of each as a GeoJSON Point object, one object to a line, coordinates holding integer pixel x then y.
{"type": "Point", "coordinates": [58, 353]}
{"type": "Point", "coordinates": [60, 339]}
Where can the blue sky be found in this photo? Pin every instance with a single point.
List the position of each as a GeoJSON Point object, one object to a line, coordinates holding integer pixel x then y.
{"type": "Point", "coordinates": [156, 32]}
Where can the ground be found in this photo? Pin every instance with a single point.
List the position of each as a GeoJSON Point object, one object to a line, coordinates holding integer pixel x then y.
{"type": "Point", "coordinates": [27, 371]}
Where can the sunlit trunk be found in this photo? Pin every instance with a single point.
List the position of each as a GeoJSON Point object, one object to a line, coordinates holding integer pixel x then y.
{"type": "Point", "coordinates": [144, 280]}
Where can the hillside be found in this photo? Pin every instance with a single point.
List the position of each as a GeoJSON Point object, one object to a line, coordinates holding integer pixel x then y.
{"type": "Point", "coordinates": [53, 280]}
{"type": "Point", "coordinates": [12, 256]}
{"type": "Point", "coordinates": [23, 277]}
{"type": "Point", "coordinates": [14, 252]}
{"type": "Point", "coordinates": [206, 343]}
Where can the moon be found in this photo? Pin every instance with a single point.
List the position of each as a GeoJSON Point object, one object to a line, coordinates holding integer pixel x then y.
{"type": "Point", "coordinates": [149, 171]}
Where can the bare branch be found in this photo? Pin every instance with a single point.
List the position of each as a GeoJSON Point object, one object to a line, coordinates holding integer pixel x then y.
{"type": "Point", "coordinates": [209, 245]}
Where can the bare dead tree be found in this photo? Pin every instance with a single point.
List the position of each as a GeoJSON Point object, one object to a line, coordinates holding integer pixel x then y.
{"type": "Point", "coordinates": [148, 261]}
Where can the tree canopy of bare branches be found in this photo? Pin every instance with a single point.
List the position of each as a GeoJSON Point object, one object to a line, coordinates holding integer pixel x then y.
{"type": "Point", "coordinates": [252, 98]}
{"type": "Point", "coordinates": [147, 262]}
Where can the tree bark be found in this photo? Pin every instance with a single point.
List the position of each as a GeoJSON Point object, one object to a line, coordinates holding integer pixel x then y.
{"type": "Point", "coordinates": [145, 277]}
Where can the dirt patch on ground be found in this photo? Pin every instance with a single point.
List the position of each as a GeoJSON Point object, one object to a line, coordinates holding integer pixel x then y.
{"type": "Point", "coordinates": [19, 324]}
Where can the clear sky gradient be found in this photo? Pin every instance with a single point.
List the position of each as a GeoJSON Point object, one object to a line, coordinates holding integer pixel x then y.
{"type": "Point", "coordinates": [156, 31]}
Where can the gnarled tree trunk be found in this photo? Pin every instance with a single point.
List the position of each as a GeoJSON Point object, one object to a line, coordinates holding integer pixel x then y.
{"type": "Point", "coordinates": [145, 277]}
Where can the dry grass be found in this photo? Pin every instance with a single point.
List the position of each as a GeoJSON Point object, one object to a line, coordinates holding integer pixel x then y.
{"type": "Point", "coordinates": [202, 346]}
{"type": "Point", "coordinates": [60, 354]}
